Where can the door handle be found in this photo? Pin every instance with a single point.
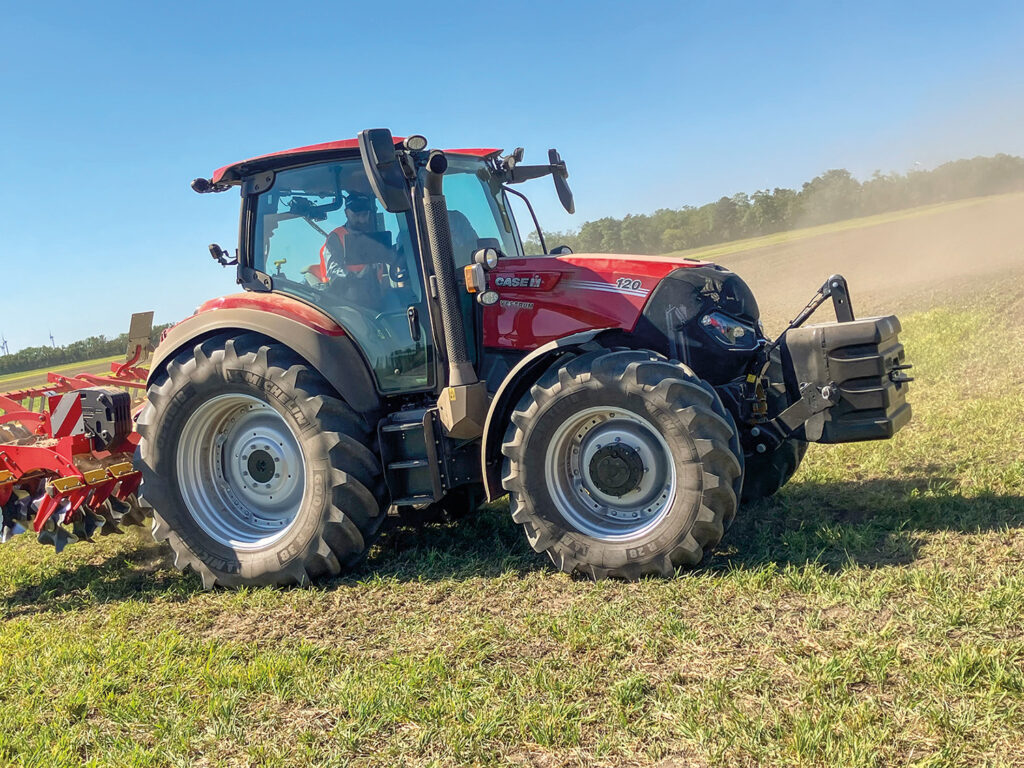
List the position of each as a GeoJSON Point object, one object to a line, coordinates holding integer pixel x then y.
{"type": "Point", "coordinates": [413, 316]}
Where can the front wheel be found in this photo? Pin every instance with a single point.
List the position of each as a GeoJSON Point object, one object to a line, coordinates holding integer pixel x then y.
{"type": "Point", "coordinates": [621, 463]}
{"type": "Point", "coordinates": [257, 472]}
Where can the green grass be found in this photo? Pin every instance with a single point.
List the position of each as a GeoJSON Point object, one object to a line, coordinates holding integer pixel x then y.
{"type": "Point", "coordinates": [10, 380]}
{"type": "Point", "coordinates": [869, 615]}
{"type": "Point", "coordinates": [712, 252]}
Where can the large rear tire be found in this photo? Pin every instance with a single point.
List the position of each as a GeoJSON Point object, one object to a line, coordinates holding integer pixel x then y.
{"type": "Point", "coordinates": [257, 473]}
{"type": "Point", "coordinates": [621, 463]}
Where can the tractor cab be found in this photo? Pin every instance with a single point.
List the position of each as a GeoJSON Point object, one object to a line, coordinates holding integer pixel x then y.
{"type": "Point", "coordinates": [313, 230]}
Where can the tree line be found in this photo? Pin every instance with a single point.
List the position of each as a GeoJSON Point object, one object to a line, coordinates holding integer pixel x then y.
{"type": "Point", "coordinates": [33, 358]}
{"type": "Point", "coordinates": [832, 196]}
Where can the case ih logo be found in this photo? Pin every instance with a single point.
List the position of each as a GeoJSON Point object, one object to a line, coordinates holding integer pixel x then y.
{"type": "Point", "coordinates": [517, 281]}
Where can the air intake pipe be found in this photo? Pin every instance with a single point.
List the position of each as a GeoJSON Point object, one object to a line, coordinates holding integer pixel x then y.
{"type": "Point", "coordinates": [463, 403]}
{"type": "Point", "coordinates": [435, 216]}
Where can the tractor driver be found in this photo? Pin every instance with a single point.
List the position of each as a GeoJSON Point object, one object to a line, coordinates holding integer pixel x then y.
{"type": "Point", "coordinates": [358, 266]}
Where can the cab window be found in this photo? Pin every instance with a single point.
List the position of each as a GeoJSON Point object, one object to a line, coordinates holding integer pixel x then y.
{"type": "Point", "coordinates": [477, 210]}
{"type": "Point", "coordinates": [322, 237]}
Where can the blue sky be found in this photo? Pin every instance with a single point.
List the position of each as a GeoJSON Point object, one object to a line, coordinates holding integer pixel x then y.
{"type": "Point", "coordinates": [108, 110]}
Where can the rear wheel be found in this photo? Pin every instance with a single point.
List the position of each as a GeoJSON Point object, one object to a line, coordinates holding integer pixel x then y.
{"type": "Point", "coordinates": [621, 463]}
{"type": "Point", "coordinates": [257, 472]}
{"type": "Point", "coordinates": [768, 472]}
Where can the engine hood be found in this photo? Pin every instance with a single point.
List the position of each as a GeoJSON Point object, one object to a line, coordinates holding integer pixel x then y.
{"type": "Point", "coordinates": [608, 264]}
{"type": "Point", "coordinates": [542, 298]}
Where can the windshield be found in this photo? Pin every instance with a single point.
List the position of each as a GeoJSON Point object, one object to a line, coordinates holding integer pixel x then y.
{"type": "Point", "coordinates": [322, 237]}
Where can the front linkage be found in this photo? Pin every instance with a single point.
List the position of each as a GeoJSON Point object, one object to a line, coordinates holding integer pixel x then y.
{"type": "Point", "coordinates": [845, 380]}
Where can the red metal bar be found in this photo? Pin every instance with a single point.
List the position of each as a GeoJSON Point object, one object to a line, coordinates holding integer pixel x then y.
{"type": "Point", "coordinates": [37, 423]}
{"type": "Point", "coordinates": [85, 380]}
{"type": "Point", "coordinates": [128, 365]}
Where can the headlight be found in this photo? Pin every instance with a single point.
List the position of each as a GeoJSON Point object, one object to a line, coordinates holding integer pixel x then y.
{"type": "Point", "coordinates": [729, 331]}
{"type": "Point", "coordinates": [487, 257]}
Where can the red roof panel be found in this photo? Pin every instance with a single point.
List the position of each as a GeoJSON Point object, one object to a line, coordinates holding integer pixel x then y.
{"type": "Point", "coordinates": [228, 174]}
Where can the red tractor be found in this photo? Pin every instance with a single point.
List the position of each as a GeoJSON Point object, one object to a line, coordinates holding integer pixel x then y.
{"type": "Point", "coordinates": [396, 347]}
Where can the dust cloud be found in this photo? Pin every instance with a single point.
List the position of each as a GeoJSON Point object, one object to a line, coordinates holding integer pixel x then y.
{"type": "Point", "coordinates": [929, 258]}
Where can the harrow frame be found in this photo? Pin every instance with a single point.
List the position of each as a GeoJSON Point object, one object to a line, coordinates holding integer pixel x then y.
{"type": "Point", "coordinates": [57, 475]}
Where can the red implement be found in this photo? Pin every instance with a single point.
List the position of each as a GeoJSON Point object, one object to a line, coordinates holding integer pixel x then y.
{"type": "Point", "coordinates": [66, 452]}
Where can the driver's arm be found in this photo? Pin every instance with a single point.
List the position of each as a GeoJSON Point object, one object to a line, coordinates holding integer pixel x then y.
{"type": "Point", "coordinates": [335, 256]}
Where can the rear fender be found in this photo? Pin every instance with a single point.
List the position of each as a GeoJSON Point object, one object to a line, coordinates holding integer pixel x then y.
{"type": "Point", "coordinates": [312, 335]}
{"type": "Point", "coordinates": [516, 384]}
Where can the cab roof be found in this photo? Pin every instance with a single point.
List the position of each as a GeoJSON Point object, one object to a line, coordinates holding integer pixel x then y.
{"type": "Point", "coordinates": [234, 173]}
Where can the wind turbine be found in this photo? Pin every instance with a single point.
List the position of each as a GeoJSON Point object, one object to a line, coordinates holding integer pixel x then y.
{"type": "Point", "coordinates": [3, 345]}
{"type": "Point", "coordinates": [52, 342]}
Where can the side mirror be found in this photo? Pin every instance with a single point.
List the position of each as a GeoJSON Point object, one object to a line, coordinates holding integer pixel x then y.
{"type": "Point", "coordinates": [384, 172]}
{"type": "Point", "coordinates": [560, 250]}
{"type": "Point", "coordinates": [221, 256]}
{"type": "Point", "coordinates": [560, 174]}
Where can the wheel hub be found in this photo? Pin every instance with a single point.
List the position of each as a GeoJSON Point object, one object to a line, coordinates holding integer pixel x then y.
{"type": "Point", "coordinates": [242, 471]}
{"type": "Point", "coordinates": [610, 473]}
{"type": "Point", "coordinates": [616, 469]}
{"type": "Point", "coordinates": [262, 464]}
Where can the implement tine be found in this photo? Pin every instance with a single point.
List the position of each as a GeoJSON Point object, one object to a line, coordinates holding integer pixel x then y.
{"type": "Point", "coordinates": [109, 521]}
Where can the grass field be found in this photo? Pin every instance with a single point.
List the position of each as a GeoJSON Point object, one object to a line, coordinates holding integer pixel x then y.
{"type": "Point", "coordinates": [869, 615]}
{"type": "Point", "coordinates": [24, 379]}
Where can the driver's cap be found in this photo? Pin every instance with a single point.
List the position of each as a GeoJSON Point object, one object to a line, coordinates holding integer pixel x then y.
{"type": "Point", "coordinates": [357, 202]}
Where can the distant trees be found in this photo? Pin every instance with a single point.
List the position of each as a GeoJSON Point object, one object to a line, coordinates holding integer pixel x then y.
{"type": "Point", "coordinates": [832, 196]}
{"type": "Point", "coordinates": [91, 348]}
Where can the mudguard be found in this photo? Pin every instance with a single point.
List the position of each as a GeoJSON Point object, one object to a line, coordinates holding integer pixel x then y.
{"type": "Point", "coordinates": [515, 385]}
{"type": "Point", "coordinates": [313, 335]}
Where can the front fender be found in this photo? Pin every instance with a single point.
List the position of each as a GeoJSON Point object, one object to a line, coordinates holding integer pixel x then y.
{"type": "Point", "coordinates": [311, 334]}
{"type": "Point", "coordinates": [513, 387]}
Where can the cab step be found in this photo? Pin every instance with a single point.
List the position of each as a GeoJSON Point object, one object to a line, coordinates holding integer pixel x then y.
{"type": "Point", "coordinates": [409, 450]}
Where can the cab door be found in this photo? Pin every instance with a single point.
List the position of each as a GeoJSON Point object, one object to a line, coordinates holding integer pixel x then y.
{"type": "Point", "coordinates": [373, 287]}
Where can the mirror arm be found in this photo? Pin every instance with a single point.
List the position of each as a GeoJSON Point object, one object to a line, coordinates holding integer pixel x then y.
{"type": "Point", "coordinates": [536, 224]}
{"type": "Point", "coordinates": [521, 173]}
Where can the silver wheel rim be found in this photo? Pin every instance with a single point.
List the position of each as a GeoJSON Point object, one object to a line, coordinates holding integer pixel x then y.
{"type": "Point", "coordinates": [241, 471]}
{"type": "Point", "coordinates": [575, 490]}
